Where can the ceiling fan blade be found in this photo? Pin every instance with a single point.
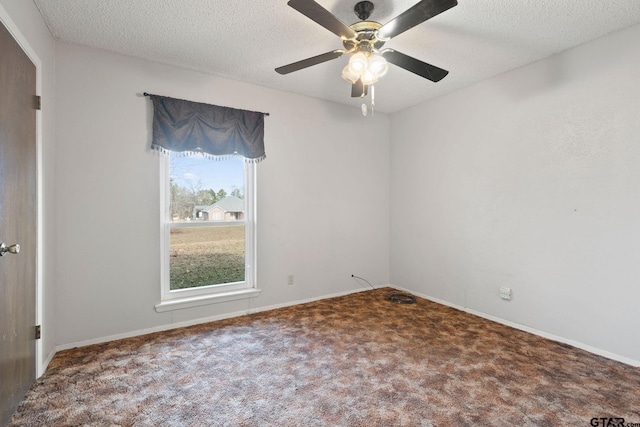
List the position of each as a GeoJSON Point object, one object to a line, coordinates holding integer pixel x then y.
{"type": "Point", "coordinates": [315, 60]}
{"type": "Point", "coordinates": [413, 16]}
{"type": "Point", "coordinates": [322, 16]}
{"type": "Point", "coordinates": [357, 89]}
{"type": "Point", "coordinates": [428, 71]}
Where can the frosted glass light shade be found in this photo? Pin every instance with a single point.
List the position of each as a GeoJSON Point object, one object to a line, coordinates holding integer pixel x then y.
{"type": "Point", "coordinates": [368, 77]}
{"type": "Point", "coordinates": [358, 62]}
{"type": "Point", "coordinates": [378, 65]}
{"type": "Point", "coordinates": [349, 75]}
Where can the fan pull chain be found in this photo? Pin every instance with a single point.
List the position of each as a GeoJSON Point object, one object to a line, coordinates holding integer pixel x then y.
{"type": "Point", "coordinates": [363, 108]}
{"type": "Point", "coordinates": [373, 99]}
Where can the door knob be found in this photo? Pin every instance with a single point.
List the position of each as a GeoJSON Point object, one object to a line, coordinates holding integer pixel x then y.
{"type": "Point", "coordinates": [13, 249]}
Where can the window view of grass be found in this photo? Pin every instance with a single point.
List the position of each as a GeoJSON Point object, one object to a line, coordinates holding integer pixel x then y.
{"type": "Point", "coordinates": [202, 256]}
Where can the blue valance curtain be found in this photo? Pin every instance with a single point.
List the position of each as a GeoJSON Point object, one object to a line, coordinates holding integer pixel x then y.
{"type": "Point", "coordinates": [214, 131]}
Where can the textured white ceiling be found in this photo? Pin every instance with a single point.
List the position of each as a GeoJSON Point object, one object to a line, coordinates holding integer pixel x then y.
{"type": "Point", "coordinates": [247, 39]}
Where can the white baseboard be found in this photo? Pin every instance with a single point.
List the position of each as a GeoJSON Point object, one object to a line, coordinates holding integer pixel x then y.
{"type": "Point", "coordinates": [46, 362]}
{"type": "Point", "coordinates": [308, 300]}
{"type": "Point", "coordinates": [168, 327]}
{"type": "Point", "coordinates": [146, 331]}
{"type": "Point", "coordinates": [577, 344]}
{"type": "Point", "coordinates": [161, 328]}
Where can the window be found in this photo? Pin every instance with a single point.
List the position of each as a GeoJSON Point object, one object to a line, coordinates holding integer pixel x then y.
{"type": "Point", "coordinates": [208, 230]}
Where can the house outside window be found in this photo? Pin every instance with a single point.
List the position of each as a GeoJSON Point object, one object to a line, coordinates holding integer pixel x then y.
{"type": "Point", "coordinates": [208, 237]}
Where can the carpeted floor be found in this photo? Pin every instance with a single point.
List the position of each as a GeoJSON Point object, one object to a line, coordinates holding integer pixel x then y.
{"type": "Point", "coordinates": [357, 360]}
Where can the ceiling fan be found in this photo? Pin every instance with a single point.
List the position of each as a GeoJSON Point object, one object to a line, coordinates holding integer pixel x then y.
{"type": "Point", "coordinates": [364, 41]}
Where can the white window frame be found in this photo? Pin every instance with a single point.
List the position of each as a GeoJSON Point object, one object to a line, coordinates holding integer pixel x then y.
{"type": "Point", "coordinates": [185, 298]}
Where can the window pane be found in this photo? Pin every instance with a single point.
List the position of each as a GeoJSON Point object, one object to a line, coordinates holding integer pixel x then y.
{"type": "Point", "coordinates": [204, 189]}
{"type": "Point", "coordinates": [202, 256]}
{"type": "Point", "coordinates": [200, 190]}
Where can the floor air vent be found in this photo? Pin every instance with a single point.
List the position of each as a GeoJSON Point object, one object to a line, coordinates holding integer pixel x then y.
{"type": "Point", "coordinates": [402, 298]}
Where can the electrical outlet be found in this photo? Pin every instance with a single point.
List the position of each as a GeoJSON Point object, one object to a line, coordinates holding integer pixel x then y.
{"type": "Point", "coordinates": [290, 280]}
{"type": "Point", "coordinates": [505, 293]}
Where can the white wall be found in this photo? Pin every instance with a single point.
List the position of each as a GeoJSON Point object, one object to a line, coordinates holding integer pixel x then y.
{"type": "Point", "coordinates": [529, 180]}
{"type": "Point", "coordinates": [26, 17]}
{"type": "Point", "coordinates": [322, 194]}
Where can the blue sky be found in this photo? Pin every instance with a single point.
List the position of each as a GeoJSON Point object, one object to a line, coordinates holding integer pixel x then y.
{"type": "Point", "coordinates": [202, 173]}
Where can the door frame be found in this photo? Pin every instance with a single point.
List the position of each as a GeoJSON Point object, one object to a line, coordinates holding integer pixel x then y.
{"type": "Point", "coordinates": [10, 25]}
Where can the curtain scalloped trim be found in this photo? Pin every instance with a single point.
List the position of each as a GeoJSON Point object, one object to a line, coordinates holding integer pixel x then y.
{"type": "Point", "coordinates": [208, 156]}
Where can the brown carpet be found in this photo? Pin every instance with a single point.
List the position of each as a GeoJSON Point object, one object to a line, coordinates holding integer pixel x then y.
{"type": "Point", "coordinates": [357, 360]}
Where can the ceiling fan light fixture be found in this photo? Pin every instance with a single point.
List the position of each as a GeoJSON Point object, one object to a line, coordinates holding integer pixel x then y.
{"type": "Point", "coordinates": [358, 62]}
{"type": "Point", "coordinates": [349, 75]}
{"type": "Point", "coordinates": [368, 77]}
{"type": "Point", "coordinates": [378, 65]}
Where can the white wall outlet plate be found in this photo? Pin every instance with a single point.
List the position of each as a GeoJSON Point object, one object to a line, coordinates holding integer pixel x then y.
{"type": "Point", "coordinates": [505, 293]}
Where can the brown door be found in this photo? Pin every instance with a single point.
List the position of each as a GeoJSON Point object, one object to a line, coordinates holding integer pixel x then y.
{"type": "Point", "coordinates": [17, 224]}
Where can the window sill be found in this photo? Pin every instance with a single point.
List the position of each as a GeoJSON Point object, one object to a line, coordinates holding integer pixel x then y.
{"type": "Point", "coordinates": [180, 303]}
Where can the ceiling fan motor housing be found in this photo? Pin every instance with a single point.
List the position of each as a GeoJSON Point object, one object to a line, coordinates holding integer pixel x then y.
{"type": "Point", "coordinates": [366, 39]}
